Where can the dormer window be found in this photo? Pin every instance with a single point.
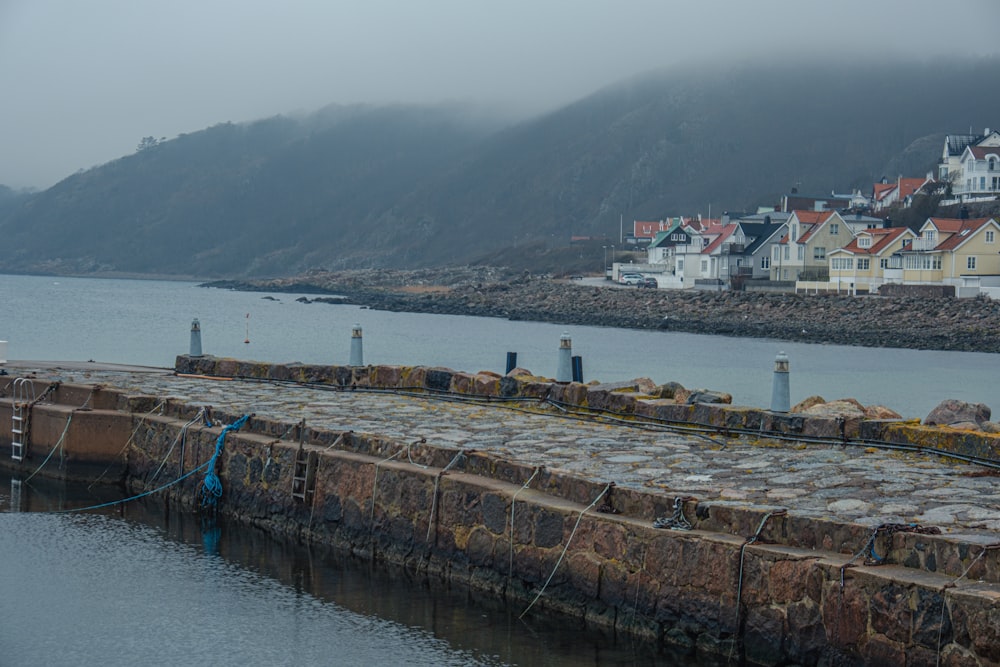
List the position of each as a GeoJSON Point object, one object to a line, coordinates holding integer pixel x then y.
{"type": "Point", "coordinates": [864, 242]}
{"type": "Point", "coordinates": [929, 234]}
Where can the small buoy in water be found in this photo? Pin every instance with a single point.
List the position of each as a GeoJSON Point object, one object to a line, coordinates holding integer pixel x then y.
{"type": "Point", "coordinates": [247, 340]}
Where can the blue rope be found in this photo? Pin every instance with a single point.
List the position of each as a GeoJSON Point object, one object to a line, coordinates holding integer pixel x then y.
{"type": "Point", "coordinates": [141, 495]}
{"type": "Point", "coordinates": [211, 490]}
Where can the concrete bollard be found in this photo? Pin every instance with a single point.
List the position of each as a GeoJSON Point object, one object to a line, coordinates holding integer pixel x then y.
{"type": "Point", "coordinates": [780, 395]}
{"type": "Point", "coordinates": [357, 355]}
{"type": "Point", "coordinates": [511, 361]}
{"type": "Point", "coordinates": [564, 371]}
{"type": "Point", "coordinates": [3, 352]}
{"type": "Point", "coordinates": [195, 350]}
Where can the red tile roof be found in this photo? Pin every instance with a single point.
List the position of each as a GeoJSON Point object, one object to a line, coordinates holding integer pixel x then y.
{"type": "Point", "coordinates": [962, 234]}
{"type": "Point", "coordinates": [723, 233]}
{"type": "Point", "coordinates": [981, 152]}
{"type": "Point", "coordinates": [881, 239]}
{"type": "Point", "coordinates": [882, 190]}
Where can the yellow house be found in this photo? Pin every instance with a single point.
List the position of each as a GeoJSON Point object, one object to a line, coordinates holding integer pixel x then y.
{"type": "Point", "coordinates": [863, 264]}
{"type": "Point", "coordinates": [802, 253]}
{"type": "Point", "coordinates": [955, 252]}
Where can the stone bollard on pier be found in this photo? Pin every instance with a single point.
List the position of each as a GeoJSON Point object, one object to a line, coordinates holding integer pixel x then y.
{"type": "Point", "coordinates": [357, 354]}
{"type": "Point", "coordinates": [564, 371]}
{"type": "Point", "coordinates": [195, 338]}
{"type": "Point", "coordinates": [780, 395]}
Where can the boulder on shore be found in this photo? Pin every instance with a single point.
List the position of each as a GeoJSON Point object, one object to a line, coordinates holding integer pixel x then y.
{"type": "Point", "coordinates": [953, 412]}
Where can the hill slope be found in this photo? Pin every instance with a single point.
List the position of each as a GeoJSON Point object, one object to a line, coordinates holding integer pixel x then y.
{"type": "Point", "coordinates": [407, 187]}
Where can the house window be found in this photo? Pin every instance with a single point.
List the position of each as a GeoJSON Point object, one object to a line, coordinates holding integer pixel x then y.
{"type": "Point", "coordinates": [883, 263]}
{"type": "Point", "coordinates": [864, 263]}
{"type": "Point", "coordinates": [834, 228]}
{"type": "Point", "coordinates": [936, 262]}
{"type": "Point", "coordinates": [970, 263]}
{"type": "Point", "coordinates": [680, 265]}
{"type": "Point", "coordinates": [989, 235]}
{"type": "Point", "coordinates": [993, 164]}
{"type": "Point", "coordinates": [982, 182]}
{"type": "Point", "coordinates": [787, 252]}
{"type": "Point", "coordinates": [864, 242]}
{"type": "Point", "coordinates": [928, 234]}
{"type": "Point", "coordinates": [842, 263]}
{"type": "Point", "coordinates": [819, 253]}
{"type": "Point", "coordinates": [795, 233]}
{"type": "Point", "coordinates": [765, 262]}
{"type": "Point", "coordinates": [704, 266]}
{"type": "Point", "coordinates": [801, 252]}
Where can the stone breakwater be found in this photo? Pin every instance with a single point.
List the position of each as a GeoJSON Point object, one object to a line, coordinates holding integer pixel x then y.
{"type": "Point", "coordinates": [933, 323]}
{"type": "Point", "coordinates": [773, 570]}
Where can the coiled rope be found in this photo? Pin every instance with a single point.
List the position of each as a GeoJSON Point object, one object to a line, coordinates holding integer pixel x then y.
{"type": "Point", "coordinates": [211, 489]}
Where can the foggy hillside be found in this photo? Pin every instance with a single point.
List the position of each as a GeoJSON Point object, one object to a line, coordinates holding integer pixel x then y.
{"type": "Point", "coordinates": [352, 187]}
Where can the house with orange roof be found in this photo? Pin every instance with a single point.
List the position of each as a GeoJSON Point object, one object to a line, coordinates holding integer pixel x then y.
{"type": "Point", "coordinates": [862, 265]}
{"type": "Point", "coordinates": [964, 253]}
{"type": "Point", "coordinates": [886, 194]}
{"type": "Point", "coordinates": [802, 253]}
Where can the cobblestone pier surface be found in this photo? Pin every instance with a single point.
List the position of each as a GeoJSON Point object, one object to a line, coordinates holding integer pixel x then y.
{"type": "Point", "coordinates": [853, 484]}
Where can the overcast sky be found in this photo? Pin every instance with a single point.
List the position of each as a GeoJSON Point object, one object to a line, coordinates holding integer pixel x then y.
{"type": "Point", "coordinates": [82, 81]}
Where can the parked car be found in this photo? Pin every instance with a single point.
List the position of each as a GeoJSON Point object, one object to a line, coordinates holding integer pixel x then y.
{"type": "Point", "coordinates": [648, 281]}
{"type": "Point", "coordinates": [630, 278]}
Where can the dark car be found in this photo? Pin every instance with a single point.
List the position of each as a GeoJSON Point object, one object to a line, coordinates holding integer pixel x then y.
{"type": "Point", "coordinates": [648, 281]}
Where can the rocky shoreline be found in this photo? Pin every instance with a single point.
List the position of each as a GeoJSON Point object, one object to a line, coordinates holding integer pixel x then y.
{"type": "Point", "coordinates": [927, 323]}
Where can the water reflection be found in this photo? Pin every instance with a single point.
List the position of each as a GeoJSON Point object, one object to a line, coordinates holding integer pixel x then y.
{"type": "Point", "coordinates": [163, 586]}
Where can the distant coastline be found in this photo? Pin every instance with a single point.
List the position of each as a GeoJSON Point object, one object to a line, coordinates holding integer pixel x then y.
{"type": "Point", "coordinates": [969, 325]}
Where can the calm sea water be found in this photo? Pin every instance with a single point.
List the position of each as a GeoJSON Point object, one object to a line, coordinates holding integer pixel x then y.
{"type": "Point", "coordinates": [145, 585]}
{"type": "Point", "coordinates": [140, 585]}
{"type": "Point", "coordinates": [148, 323]}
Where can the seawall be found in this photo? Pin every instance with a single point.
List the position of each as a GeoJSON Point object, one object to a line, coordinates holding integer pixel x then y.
{"type": "Point", "coordinates": [766, 582]}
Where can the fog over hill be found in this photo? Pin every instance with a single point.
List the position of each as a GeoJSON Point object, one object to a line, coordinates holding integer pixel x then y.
{"type": "Point", "coordinates": [356, 187]}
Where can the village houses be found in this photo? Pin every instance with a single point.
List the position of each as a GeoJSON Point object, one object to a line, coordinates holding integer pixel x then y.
{"type": "Point", "coordinates": [842, 250]}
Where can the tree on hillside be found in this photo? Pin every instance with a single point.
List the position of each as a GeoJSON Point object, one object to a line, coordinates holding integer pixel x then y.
{"type": "Point", "coordinates": [148, 142]}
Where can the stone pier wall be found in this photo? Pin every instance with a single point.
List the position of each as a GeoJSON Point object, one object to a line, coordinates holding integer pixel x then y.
{"type": "Point", "coordinates": [781, 599]}
{"type": "Point", "coordinates": [773, 589]}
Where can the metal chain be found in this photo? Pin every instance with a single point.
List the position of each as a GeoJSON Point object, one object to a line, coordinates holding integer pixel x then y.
{"type": "Point", "coordinates": [677, 521]}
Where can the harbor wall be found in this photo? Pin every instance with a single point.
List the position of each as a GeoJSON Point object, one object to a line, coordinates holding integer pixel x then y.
{"type": "Point", "coordinates": [767, 587]}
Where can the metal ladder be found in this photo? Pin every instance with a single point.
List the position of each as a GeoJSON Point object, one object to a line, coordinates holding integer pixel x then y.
{"type": "Point", "coordinates": [24, 396]}
{"type": "Point", "coordinates": [304, 475]}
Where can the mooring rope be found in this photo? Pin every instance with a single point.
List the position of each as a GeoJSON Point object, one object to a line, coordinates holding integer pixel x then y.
{"type": "Point", "coordinates": [180, 438]}
{"type": "Point", "coordinates": [128, 442]}
{"type": "Point", "coordinates": [136, 497]}
{"type": "Point", "coordinates": [510, 568]}
{"type": "Point", "coordinates": [375, 485]}
{"type": "Point", "coordinates": [62, 437]}
{"type": "Point", "coordinates": [437, 480]}
{"type": "Point", "coordinates": [739, 586]}
{"type": "Point", "coordinates": [953, 584]}
{"type": "Point", "coordinates": [211, 489]}
{"type": "Point", "coordinates": [565, 549]}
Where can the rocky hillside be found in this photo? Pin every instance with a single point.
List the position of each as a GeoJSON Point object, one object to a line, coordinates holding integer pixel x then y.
{"type": "Point", "coordinates": [366, 187]}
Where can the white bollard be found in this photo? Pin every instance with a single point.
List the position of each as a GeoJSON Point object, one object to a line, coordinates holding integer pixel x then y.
{"type": "Point", "coordinates": [195, 350]}
{"type": "Point", "coordinates": [357, 354]}
{"type": "Point", "coordinates": [780, 394]}
{"type": "Point", "coordinates": [3, 352]}
{"type": "Point", "coordinates": [564, 371]}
